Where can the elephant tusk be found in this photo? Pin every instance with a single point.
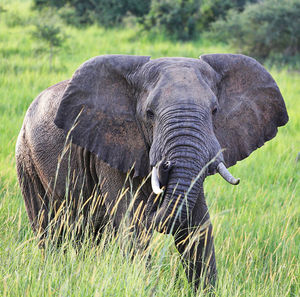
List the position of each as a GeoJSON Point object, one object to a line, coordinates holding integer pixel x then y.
{"type": "Point", "coordinates": [155, 182]}
{"type": "Point", "coordinates": [227, 175]}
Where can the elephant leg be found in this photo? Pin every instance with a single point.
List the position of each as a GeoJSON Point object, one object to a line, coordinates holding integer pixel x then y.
{"type": "Point", "coordinates": [195, 244]}
{"type": "Point", "coordinates": [125, 204]}
{"type": "Point", "coordinates": [136, 225]}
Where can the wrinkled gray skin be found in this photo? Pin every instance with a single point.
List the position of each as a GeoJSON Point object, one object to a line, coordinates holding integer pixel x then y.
{"type": "Point", "coordinates": [133, 110]}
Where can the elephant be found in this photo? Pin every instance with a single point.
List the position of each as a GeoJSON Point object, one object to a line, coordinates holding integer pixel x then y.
{"type": "Point", "coordinates": [124, 118]}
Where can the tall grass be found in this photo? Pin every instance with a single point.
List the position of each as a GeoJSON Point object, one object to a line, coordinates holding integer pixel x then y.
{"type": "Point", "coordinates": [256, 224]}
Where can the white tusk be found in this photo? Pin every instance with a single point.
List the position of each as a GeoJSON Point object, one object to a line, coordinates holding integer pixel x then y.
{"type": "Point", "coordinates": [155, 182]}
{"type": "Point", "coordinates": [227, 175]}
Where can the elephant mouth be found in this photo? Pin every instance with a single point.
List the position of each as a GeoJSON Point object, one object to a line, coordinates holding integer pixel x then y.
{"type": "Point", "coordinates": [161, 215]}
{"type": "Point", "coordinates": [171, 202]}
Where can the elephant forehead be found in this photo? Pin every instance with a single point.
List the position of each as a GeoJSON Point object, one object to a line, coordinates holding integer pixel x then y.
{"type": "Point", "coordinates": [168, 64]}
{"type": "Point", "coordinates": [181, 84]}
{"type": "Point", "coordinates": [184, 76]}
{"type": "Point", "coordinates": [156, 68]}
{"type": "Point", "coordinates": [166, 61]}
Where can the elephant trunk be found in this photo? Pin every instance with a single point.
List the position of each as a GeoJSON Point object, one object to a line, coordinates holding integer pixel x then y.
{"type": "Point", "coordinates": [179, 197]}
{"type": "Point", "coordinates": [188, 145]}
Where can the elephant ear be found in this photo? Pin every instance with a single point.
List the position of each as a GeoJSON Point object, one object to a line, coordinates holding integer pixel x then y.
{"type": "Point", "coordinates": [98, 110]}
{"type": "Point", "coordinates": [251, 107]}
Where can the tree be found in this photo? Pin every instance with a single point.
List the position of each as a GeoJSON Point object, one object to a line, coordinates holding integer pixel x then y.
{"type": "Point", "coordinates": [177, 18]}
{"type": "Point", "coordinates": [48, 31]}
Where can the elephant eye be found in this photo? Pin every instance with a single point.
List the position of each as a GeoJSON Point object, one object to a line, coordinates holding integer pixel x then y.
{"type": "Point", "coordinates": [214, 111]}
{"type": "Point", "coordinates": [150, 114]}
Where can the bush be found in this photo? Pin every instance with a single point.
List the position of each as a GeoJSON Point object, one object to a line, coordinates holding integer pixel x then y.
{"type": "Point", "coordinates": [105, 12]}
{"type": "Point", "coordinates": [268, 28]}
{"type": "Point", "coordinates": [183, 18]}
{"type": "Point", "coordinates": [212, 10]}
{"type": "Point", "coordinates": [177, 18]}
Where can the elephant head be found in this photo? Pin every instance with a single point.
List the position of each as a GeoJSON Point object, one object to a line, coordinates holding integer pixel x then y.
{"type": "Point", "coordinates": [172, 116]}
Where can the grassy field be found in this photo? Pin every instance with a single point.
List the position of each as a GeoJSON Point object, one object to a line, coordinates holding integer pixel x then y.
{"type": "Point", "coordinates": [256, 224]}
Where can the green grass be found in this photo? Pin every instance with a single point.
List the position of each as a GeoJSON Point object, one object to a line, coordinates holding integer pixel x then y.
{"type": "Point", "coordinates": [256, 225]}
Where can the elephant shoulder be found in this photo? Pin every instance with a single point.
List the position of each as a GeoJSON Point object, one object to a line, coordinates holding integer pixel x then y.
{"type": "Point", "coordinates": [46, 103]}
{"type": "Point", "coordinates": [39, 119]}
{"type": "Point", "coordinates": [39, 137]}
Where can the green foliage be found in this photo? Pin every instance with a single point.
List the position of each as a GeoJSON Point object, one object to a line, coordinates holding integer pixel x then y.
{"type": "Point", "coordinates": [105, 12]}
{"type": "Point", "coordinates": [69, 15]}
{"type": "Point", "coordinates": [186, 19]}
{"type": "Point", "coordinates": [270, 27]}
{"type": "Point", "coordinates": [212, 10]}
{"type": "Point", "coordinates": [108, 12]}
{"type": "Point", "coordinates": [138, 8]}
{"type": "Point", "coordinates": [2, 9]}
{"type": "Point", "coordinates": [261, 28]}
{"type": "Point", "coordinates": [49, 32]}
{"type": "Point", "coordinates": [177, 18]}
{"type": "Point", "coordinates": [12, 16]}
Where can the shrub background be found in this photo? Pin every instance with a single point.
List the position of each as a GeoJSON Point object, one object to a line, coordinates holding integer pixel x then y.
{"type": "Point", "coordinates": [271, 27]}
{"type": "Point", "coordinates": [104, 12]}
{"type": "Point", "coordinates": [260, 28]}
